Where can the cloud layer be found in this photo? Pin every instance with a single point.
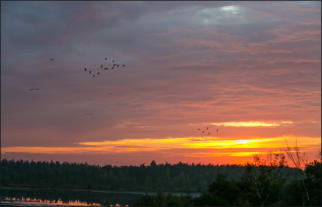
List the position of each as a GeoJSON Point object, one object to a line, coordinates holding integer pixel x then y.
{"type": "Point", "coordinates": [189, 64]}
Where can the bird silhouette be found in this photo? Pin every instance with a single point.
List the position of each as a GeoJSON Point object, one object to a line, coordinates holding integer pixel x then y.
{"type": "Point", "coordinates": [97, 71]}
{"type": "Point", "coordinates": [51, 59]}
{"type": "Point", "coordinates": [34, 89]}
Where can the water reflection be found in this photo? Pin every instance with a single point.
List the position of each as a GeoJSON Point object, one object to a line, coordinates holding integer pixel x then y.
{"type": "Point", "coordinates": [52, 197]}
{"type": "Point", "coordinates": [18, 196]}
{"type": "Point", "coordinates": [38, 202]}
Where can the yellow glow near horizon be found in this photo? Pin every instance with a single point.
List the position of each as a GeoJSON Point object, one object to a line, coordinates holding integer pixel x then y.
{"type": "Point", "coordinates": [239, 143]}
{"type": "Point", "coordinates": [219, 154]}
{"type": "Point", "coordinates": [233, 154]}
{"type": "Point", "coordinates": [151, 141]}
{"type": "Point", "coordinates": [251, 124]}
{"type": "Point", "coordinates": [185, 143]}
{"type": "Point", "coordinates": [193, 143]}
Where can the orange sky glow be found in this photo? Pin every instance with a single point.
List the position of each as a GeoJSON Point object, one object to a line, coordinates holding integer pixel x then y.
{"type": "Point", "coordinates": [208, 148]}
{"type": "Point", "coordinates": [203, 82]}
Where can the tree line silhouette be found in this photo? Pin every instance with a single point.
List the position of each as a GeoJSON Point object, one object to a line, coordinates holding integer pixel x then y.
{"type": "Point", "coordinates": [255, 184]}
{"type": "Point", "coordinates": [180, 177]}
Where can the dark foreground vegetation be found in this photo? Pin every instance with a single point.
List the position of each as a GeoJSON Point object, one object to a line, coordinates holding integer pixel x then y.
{"type": "Point", "coordinates": [258, 186]}
{"type": "Point", "coordinates": [152, 178]}
{"type": "Point", "coordinates": [230, 185]}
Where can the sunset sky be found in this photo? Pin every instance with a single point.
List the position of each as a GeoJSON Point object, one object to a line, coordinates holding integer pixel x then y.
{"type": "Point", "coordinates": [249, 71]}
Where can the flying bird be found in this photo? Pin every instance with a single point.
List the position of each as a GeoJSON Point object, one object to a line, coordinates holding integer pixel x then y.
{"type": "Point", "coordinates": [113, 65]}
{"type": "Point", "coordinates": [34, 89]}
{"type": "Point", "coordinates": [51, 59]}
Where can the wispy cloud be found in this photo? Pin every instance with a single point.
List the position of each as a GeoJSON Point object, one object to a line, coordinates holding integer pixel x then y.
{"type": "Point", "coordinates": [252, 124]}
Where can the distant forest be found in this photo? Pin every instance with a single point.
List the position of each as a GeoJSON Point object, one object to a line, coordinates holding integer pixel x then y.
{"type": "Point", "coordinates": [151, 178]}
{"type": "Point", "coordinates": [225, 185]}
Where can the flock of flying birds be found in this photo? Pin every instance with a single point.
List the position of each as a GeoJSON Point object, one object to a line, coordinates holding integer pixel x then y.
{"type": "Point", "coordinates": [93, 72]}
{"type": "Point", "coordinates": [34, 90]}
{"type": "Point", "coordinates": [113, 65]}
{"type": "Point", "coordinates": [206, 132]}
